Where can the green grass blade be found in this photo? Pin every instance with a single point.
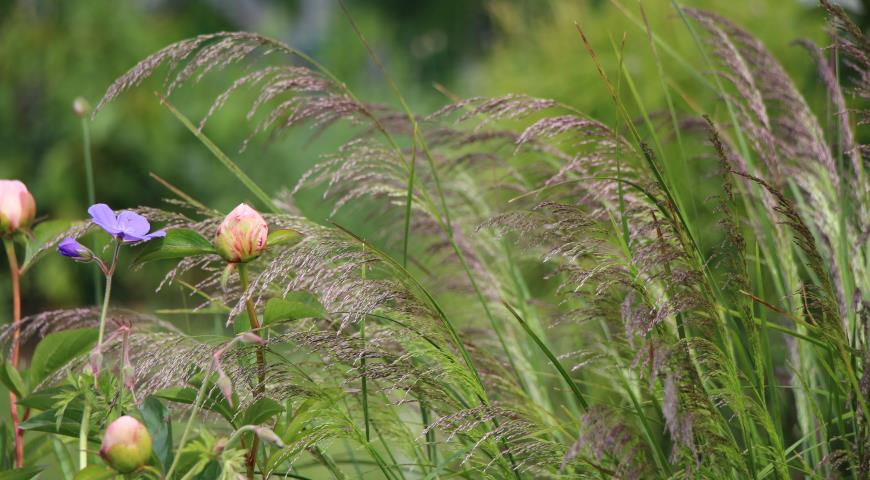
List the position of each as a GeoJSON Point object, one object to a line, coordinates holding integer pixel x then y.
{"type": "Point", "coordinates": [221, 156]}
{"type": "Point", "coordinates": [581, 400]}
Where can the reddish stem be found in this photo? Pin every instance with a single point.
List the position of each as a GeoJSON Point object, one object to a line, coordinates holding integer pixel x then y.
{"type": "Point", "coordinates": [16, 322]}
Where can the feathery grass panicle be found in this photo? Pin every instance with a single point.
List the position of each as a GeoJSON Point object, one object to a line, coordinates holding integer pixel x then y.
{"type": "Point", "coordinates": [727, 339]}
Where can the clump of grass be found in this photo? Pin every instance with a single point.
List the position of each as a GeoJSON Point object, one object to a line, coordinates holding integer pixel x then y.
{"type": "Point", "coordinates": [537, 301]}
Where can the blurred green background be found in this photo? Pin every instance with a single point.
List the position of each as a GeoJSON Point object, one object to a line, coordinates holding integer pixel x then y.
{"type": "Point", "coordinates": [54, 51]}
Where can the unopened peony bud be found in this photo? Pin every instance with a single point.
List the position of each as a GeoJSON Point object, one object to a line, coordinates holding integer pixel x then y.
{"type": "Point", "coordinates": [248, 337]}
{"type": "Point", "coordinates": [17, 207]}
{"type": "Point", "coordinates": [81, 107]}
{"type": "Point", "coordinates": [267, 435]}
{"type": "Point", "coordinates": [126, 444]}
{"type": "Point", "coordinates": [226, 386]}
{"type": "Point", "coordinates": [241, 237]}
{"type": "Point", "coordinates": [96, 361]}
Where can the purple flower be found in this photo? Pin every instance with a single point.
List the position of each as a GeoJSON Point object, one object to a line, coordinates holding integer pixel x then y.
{"type": "Point", "coordinates": [69, 247]}
{"type": "Point", "coordinates": [128, 226]}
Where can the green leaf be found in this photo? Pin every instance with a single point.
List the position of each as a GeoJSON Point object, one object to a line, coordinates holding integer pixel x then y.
{"type": "Point", "coordinates": [68, 426]}
{"type": "Point", "coordinates": [159, 425]}
{"type": "Point", "coordinates": [12, 380]}
{"type": "Point", "coordinates": [214, 402]}
{"type": "Point", "coordinates": [64, 457]}
{"type": "Point", "coordinates": [178, 243]}
{"type": "Point", "coordinates": [42, 234]}
{"type": "Point", "coordinates": [283, 237]}
{"type": "Point", "coordinates": [211, 471]}
{"type": "Point", "coordinates": [241, 323]}
{"type": "Point", "coordinates": [43, 399]}
{"type": "Point", "coordinates": [59, 348]}
{"type": "Point", "coordinates": [25, 473]}
{"type": "Point", "coordinates": [261, 410]}
{"type": "Point", "coordinates": [95, 471]}
{"type": "Point", "coordinates": [282, 309]}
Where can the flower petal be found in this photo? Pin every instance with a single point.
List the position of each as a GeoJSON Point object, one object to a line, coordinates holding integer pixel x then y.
{"type": "Point", "coordinates": [133, 237]}
{"type": "Point", "coordinates": [133, 224]}
{"type": "Point", "coordinates": [104, 217]}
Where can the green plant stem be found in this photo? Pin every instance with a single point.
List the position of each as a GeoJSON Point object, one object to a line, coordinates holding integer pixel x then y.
{"type": "Point", "coordinates": [261, 361]}
{"type": "Point", "coordinates": [103, 311]}
{"type": "Point", "coordinates": [92, 196]}
{"type": "Point", "coordinates": [197, 403]}
{"type": "Point", "coordinates": [83, 435]}
{"type": "Point", "coordinates": [86, 415]}
{"type": "Point", "coordinates": [15, 275]}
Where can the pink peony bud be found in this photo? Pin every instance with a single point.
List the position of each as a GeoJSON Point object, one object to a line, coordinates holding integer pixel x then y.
{"type": "Point", "coordinates": [226, 386]}
{"type": "Point", "coordinates": [126, 444]}
{"type": "Point", "coordinates": [268, 435]}
{"type": "Point", "coordinates": [17, 207]}
{"type": "Point", "coordinates": [241, 237]}
{"type": "Point", "coordinates": [248, 337]}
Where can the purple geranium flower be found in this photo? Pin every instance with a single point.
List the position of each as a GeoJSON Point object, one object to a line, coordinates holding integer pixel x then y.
{"type": "Point", "coordinates": [69, 247]}
{"type": "Point", "coordinates": [127, 226]}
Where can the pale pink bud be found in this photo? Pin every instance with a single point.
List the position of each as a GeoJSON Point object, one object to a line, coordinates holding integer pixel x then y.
{"type": "Point", "coordinates": [268, 435]}
{"type": "Point", "coordinates": [241, 237]}
{"type": "Point", "coordinates": [226, 386]}
{"type": "Point", "coordinates": [126, 444]}
{"type": "Point", "coordinates": [248, 337]}
{"type": "Point", "coordinates": [96, 360]}
{"type": "Point", "coordinates": [81, 107]}
{"type": "Point", "coordinates": [17, 207]}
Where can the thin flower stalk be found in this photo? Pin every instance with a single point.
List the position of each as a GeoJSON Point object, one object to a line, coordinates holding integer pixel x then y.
{"type": "Point", "coordinates": [16, 347]}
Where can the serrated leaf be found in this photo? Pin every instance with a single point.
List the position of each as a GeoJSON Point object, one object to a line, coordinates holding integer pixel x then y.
{"type": "Point", "coordinates": [43, 399]}
{"type": "Point", "coordinates": [178, 243]}
{"type": "Point", "coordinates": [95, 471]}
{"type": "Point", "coordinates": [24, 473]}
{"type": "Point", "coordinates": [12, 380]}
{"type": "Point", "coordinates": [283, 236]}
{"type": "Point", "coordinates": [59, 348]}
{"type": "Point", "coordinates": [281, 309]}
{"type": "Point", "coordinates": [261, 410]}
{"type": "Point", "coordinates": [158, 422]}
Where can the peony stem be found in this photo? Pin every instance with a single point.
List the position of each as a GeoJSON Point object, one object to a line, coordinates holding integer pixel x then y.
{"type": "Point", "coordinates": [16, 321]}
{"type": "Point", "coordinates": [261, 360]}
